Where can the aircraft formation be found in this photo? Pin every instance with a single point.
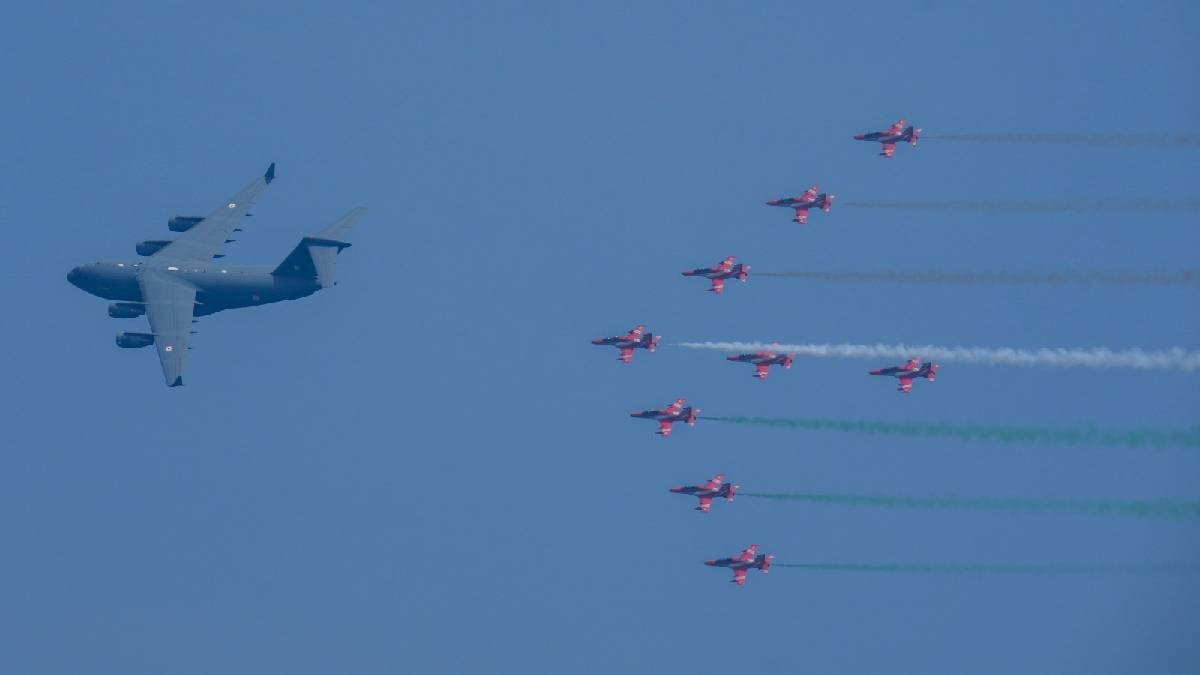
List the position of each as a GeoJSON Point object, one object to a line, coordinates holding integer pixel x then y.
{"type": "Point", "coordinates": [729, 268]}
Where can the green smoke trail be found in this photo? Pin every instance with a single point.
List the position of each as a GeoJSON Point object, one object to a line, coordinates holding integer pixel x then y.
{"type": "Point", "coordinates": [1085, 569]}
{"type": "Point", "coordinates": [1186, 277]}
{"type": "Point", "coordinates": [1074, 436]}
{"type": "Point", "coordinates": [1163, 508]}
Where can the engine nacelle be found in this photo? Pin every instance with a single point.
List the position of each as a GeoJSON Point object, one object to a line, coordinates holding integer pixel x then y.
{"type": "Point", "coordinates": [183, 223]}
{"type": "Point", "coordinates": [134, 340]}
{"type": "Point", "coordinates": [126, 310]}
{"type": "Point", "coordinates": [150, 246]}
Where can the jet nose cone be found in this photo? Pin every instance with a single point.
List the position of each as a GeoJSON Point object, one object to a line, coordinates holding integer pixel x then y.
{"type": "Point", "coordinates": [73, 276]}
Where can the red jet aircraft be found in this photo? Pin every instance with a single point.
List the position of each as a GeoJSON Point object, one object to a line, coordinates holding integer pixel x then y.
{"type": "Point", "coordinates": [720, 272]}
{"type": "Point", "coordinates": [906, 373]}
{"type": "Point", "coordinates": [669, 415]}
{"type": "Point", "coordinates": [637, 338]}
{"type": "Point", "coordinates": [745, 560]}
{"type": "Point", "coordinates": [707, 492]}
{"type": "Point", "coordinates": [896, 133]}
{"type": "Point", "coordinates": [763, 360]}
{"type": "Point", "coordinates": [804, 202]}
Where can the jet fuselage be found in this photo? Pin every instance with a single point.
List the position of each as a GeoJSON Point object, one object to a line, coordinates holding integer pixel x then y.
{"type": "Point", "coordinates": [218, 287]}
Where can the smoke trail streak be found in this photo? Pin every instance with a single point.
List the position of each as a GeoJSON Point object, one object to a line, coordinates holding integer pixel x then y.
{"type": "Point", "coordinates": [1129, 140]}
{"type": "Point", "coordinates": [1189, 277]}
{"type": "Point", "coordinates": [1054, 205]}
{"type": "Point", "coordinates": [1067, 436]}
{"type": "Point", "coordinates": [1163, 508]}
{"type": "Point", "coordinates": [1051, 569]}
{"type": "Point", "coordinates": [1170, 359]}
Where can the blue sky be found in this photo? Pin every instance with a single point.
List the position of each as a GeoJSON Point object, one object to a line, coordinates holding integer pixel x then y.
{"type": "Point", "coordinates": [429, 469]}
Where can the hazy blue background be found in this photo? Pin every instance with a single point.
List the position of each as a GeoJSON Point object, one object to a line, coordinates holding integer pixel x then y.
{"type": "Point", "coordinates": [429, 469]}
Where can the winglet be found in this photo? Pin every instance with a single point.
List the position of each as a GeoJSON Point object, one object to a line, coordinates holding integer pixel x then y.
{"type": "Point", "coordinates": [270, 174]}
{"type": "Point", "coordinates": [178, 382]}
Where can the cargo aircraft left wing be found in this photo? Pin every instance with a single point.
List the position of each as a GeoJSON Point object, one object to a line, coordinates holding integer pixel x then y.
{"type": "Point", "coordinates": [169, 305]}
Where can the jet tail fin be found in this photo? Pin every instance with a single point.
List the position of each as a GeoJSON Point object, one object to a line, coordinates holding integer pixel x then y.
{"type": "Point", "coordinates": [316, 255]}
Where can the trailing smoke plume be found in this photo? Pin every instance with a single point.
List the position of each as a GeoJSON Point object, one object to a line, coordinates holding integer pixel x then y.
{"type": "Point", "coordinates": [1169, 359]}
{"type": "Point", "coordinates": [1067, 436]}
{"type": "Point", "coordinates": [1060, 569]}
{"type": "Point", "coordinates": [1189, 277]}
{"type": "Point", "coordinates": [1129, 140]}
{"type": "Point", "coordinates": [1053, 205]}
{"type": "Point", "coordinates": [1161, 508]}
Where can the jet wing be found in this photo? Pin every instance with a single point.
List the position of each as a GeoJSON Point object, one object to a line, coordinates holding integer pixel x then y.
{"type": "Point", "coordinates": [739, 576]}
{"type": "Point", "coordinates": [205, 238]}
{"type": "Point", "coordinates": [801, 215]}
{"type": "Point", "coordinates": [906, 384]}
{"type": "Point", "coordinates": [705, 504]}
{"type": "Point", "coordinates": [664, 427]}
{"type": "Point", "coordinates": [626, 354]}
{"type": "Point", "coordinates": [761, 370]}
{"type": "Point", "coordinates": [718, 285]}
{"type": "Point", "coordinates": [169, 306]}
{"type": "Point", "coordinates": [889, 149]}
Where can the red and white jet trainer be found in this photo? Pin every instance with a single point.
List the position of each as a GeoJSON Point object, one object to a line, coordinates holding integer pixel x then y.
{"type": "Point", "coordinates": [636, 338]}
{"type": "Point", "coordinates": [670, 415]}
{"type": "Point", "coordinates": [891, 136]}
{"type": "Point", "coordinates": [720, 272]}
{"type": "Point", "coordinates": [708, 491]}
{"type": "Point", "coordinates": [906, 373]}
{"type": "Point", "coordinates": [763, 360]}
{"type": "Point", "coordinates": [747, 559]}
{"type": "Point", "coordinates": [804, 202]}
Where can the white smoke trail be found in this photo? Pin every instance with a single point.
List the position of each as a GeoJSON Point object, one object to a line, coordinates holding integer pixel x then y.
{"type": "Point", "coordinates": [1168, 359]}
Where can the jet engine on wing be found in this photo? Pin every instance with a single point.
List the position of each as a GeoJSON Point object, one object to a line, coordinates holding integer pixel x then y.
{"type": "Point", "coordinates": [134, 340]}
{"type": "Point", "coordinates": [150, 246]}
{"type": "Point", "coordinates": [183, 223]}
{"type": "Point", "coordinates": [126, 310]}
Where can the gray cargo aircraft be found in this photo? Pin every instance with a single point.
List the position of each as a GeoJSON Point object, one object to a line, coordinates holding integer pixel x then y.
{"type": "Point", "coordinates": [179, 280]}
